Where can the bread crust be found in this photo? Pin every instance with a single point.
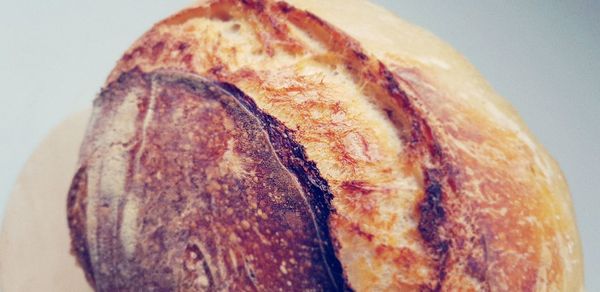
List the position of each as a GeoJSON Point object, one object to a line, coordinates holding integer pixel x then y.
{"type": "Point", "coordinates": [221, 195]}
{"type": "Point", "coordinates": [434, 186]}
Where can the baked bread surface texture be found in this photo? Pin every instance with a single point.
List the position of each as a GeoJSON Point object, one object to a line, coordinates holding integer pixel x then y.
{"type": "Point", "coordinates": [253, 145]}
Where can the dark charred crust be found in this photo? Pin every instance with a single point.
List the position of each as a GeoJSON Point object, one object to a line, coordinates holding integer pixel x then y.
{"type": "Point", "coordinates": [293, 155]}
{"type": "Point", "coordinates": [357, 187]}
{"type": "Point", "coordinates": [76, 219]}
{"type": "Point", "coordinates": [316, 19]}
{"type": "Point", "coordinates": [431, 220]}
{"type": "Point", "coordinates": [360, 55]}
{"type": "Point", "coordinates": [182, 46]}
{"type": "Point", "coordinates": [258, 5]}
{"type": "Point", "coordinates": [284, 7]}
{"type": "Point", "coordinates": [432, 213]}
{"type": "Point", "coordinates": [310, 242]}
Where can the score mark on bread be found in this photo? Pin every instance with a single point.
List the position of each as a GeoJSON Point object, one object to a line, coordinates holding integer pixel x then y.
{"type": "Point", "coordinates": [250, 145]}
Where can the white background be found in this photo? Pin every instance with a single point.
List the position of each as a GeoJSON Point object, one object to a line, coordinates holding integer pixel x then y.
{"type": "Point", "coordinates": [544, 56]}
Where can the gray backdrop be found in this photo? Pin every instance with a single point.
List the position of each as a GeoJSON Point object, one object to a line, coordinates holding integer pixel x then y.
{"type": "Point", "coordinates": [544, 56]}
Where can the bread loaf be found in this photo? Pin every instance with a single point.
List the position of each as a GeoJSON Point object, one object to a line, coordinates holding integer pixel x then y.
{"type": "Point", "coordinates": [318, 145]}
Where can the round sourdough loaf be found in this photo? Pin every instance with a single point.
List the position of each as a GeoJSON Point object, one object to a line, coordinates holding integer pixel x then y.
{"type": "Point", "coordinates": [315, 145]}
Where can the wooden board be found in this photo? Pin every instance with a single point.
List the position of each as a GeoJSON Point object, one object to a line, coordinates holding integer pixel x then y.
{"type": "Point", "coordinates": [34, 239]}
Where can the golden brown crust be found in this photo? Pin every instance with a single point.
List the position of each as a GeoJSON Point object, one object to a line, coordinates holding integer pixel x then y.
{"type": "Point", "coordinates": [431, 191]}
